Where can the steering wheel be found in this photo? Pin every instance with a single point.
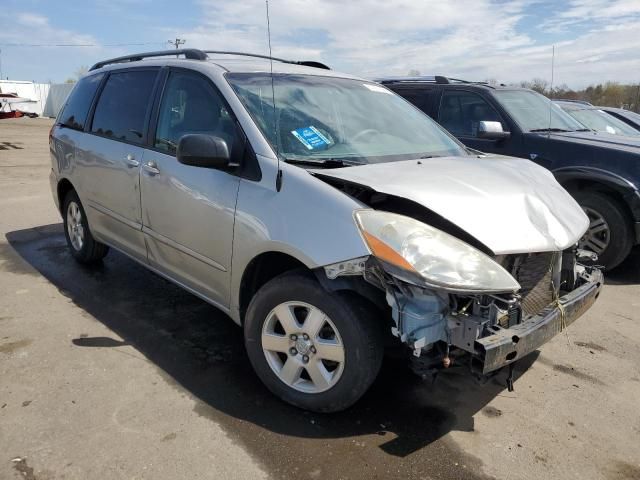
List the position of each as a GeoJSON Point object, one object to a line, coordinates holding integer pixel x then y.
{"type": "Point", "coordinates": [364, 133]}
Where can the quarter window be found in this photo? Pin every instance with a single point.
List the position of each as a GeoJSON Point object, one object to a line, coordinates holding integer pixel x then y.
{"type": "Point", "coordinates": [122, 109]}
{"type": "Point", "coordinates": [75, 111]}
{"type": "Point", "coordinates": [462, 112]}
{"type": "Point", "coordinates": [191, 105]}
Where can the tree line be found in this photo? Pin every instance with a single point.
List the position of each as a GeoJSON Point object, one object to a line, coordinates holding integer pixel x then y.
{"type": "Point", "coordinates": [608, 94]}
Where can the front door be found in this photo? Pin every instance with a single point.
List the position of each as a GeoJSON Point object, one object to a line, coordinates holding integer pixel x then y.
{"type": "Point", "coordinates": [109, 159]}
{"type": "Point", "coordinates": [188, 212]}
{"type": "Point", "coordinates": [461, 113]}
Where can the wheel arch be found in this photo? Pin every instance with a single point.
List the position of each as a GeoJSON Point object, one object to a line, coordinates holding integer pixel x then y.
{"type": "Point", "coordinates": [271, 264]}
{"type": "Point", "coordinates": [260, 269]}
{"type": "Point", "coordinates": [64, 186]}
{"type": "Point", "coordinates": [577, 179]}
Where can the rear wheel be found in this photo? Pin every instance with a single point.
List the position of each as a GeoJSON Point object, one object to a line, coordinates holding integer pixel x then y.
{"type": "Point", "coordinates": [316, 350]}
{"type": "Point", "coordinates": [81, 243]}
{"type": "Point", "coordinates": [609, 234]}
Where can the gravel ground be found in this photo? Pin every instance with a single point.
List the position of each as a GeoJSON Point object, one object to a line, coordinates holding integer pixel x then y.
{"type": "Point", "coordinates": [115, 373]}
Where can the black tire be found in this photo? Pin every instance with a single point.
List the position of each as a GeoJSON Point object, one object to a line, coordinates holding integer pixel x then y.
{"type": "Point", "coordinates": [620, 231]}
{"type": "Point", "coordinates": [356, 322]}
{"type": "Point", "coordinates": [90, 251]}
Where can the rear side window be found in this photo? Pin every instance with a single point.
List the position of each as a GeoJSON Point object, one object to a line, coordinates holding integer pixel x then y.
{"type": "Point", "coordinates": [75, 111]}
{"type": "Point", "coordinates": [123, 105]}
{"type": "Point", "coordinates": [420, 98]}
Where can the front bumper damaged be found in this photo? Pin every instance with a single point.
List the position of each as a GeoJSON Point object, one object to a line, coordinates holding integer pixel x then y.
{"type": "Point", "coordinates": [507, 345]}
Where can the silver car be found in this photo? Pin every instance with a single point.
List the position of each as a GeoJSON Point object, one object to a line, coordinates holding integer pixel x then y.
{"type": "Point", "coordinates": [322, 213]}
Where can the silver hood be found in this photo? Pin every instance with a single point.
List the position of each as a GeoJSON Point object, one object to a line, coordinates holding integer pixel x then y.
{"type": "Point", "coordinates": [510, 205]}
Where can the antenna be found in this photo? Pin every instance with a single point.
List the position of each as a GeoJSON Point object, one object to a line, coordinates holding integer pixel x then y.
{"type": "Point", "coordinates": [273, 98]}
{"type": "Point", "coordinates": [553, 58]}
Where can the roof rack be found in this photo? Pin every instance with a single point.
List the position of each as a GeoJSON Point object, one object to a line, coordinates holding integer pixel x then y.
{"type": "Point", "coordinates": [306, 63]}
{"type": "Point", "coordinates": [195, 54]}
{"type": "Point", "coordinates": [190, 53]}
{"type": "Point", "coordinates": [439, 79]}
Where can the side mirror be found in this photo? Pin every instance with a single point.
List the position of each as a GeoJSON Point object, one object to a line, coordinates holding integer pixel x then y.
{"type": "Point", "coordinates": [200, 150]}
{"type": "Point", "coordinates": [492, 131]}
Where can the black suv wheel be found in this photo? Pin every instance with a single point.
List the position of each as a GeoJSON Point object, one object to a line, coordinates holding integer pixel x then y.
{"type": "Point", "coordinates": [609, 234]}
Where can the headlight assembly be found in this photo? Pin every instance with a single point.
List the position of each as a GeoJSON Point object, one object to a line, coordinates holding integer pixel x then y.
{"type": "Point", "coordinates": [438, 258]}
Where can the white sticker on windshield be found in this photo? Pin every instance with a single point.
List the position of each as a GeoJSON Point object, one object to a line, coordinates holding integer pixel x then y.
{"type": "Point", "coordinates": [377, 88]}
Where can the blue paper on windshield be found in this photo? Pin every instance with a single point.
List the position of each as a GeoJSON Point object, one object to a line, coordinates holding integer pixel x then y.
{"type": "Point", "coordinates": [311, 137]}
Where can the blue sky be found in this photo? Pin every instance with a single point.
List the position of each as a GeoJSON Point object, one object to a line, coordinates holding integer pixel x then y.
{"type": "Point", "coordinates": [596, 40]}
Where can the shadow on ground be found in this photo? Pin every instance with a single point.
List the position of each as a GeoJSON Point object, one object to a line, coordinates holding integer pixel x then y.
{"type": "Point", "coordinates": [395, 431]}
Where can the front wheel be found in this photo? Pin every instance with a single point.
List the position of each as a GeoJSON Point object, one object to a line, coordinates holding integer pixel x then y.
{"type": "Point", "coordinates": [314, 349]}
{"type": "Point", "coordinates": [609, 234]}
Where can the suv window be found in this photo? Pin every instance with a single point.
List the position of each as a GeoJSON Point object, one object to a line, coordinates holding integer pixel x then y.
{"type": "Point", "coordinates": [462, 112]}
{"type": "Point", "coordinates": [75, 111]}
{"type": "Point", "coordinates": [122, 108]}
{"type": "Point", "coordinates": [420, 98]}
{"type": "Point", "coordinates": [191, 105]}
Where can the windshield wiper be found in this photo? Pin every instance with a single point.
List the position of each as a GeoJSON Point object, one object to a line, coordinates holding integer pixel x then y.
{"type": "Point", "coordinates": [324, 162]}
{"type": "Point", "coordinates": [550, 130]}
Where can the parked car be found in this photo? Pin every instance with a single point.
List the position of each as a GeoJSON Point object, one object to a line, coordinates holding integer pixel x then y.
{"type": "Point", "coordinates": [627, 116]}
{"type": "Point", "coordinates": [601, 171]}
{"type": "Point", "coordinates": [597, 119]}
{"type": "Point", "coordinates": [322, 213]}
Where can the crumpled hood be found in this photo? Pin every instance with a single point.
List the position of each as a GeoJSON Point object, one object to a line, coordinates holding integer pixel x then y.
{"type": "Point", "coordinates": [510, 205]}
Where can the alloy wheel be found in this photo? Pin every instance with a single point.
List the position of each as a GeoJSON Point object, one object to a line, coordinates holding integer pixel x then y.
{"type": "Point", "coordinates": [303, 347]}
{"type": "Point", "coordinates": [74, 226]}
{"type": "Point", "coordinates": [598, 235]}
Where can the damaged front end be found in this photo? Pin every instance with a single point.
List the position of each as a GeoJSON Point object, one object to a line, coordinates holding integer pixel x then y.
{"type": "Point", "coordinates": [488, 331]}
{"type": "Point", "coordinates": [451, 303]}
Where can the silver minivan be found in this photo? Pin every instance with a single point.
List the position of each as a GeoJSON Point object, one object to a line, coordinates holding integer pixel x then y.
{"type": "Point", "coordinates": [323, 213]}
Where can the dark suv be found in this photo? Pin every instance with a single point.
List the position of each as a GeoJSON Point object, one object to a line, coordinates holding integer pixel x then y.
{"type": "Point", "coordinates": [601, 171]}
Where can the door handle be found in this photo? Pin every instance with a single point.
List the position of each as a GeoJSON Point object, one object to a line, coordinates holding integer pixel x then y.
{"type": "Point", "coordinates": [151, 167]}
{"type": "Point", "coordinates": [131, 161]}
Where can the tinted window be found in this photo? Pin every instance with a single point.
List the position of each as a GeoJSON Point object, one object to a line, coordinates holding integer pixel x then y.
{"type": "Point", "coordinates": [191, 105]}
{"type": "Point", "coordinates": [122, 108]}
{"type": "Point", "coordinates": [420, 98]}
{"type": "Point", "coordinates": [462, 112]}
{"type": "Point", "coordinates": [75, 111]}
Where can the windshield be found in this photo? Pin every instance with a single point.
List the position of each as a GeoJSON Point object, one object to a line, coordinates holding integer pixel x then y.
{"type": "Point", "coordinates": [532, 111]}
{"type": "Point", "coordinates": [602, 122]}
{"type": "Point", "coordinates": [322, 119]}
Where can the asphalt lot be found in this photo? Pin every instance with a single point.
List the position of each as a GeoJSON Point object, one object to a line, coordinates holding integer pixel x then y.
{"type": "Point", "coordinates": [115, 373]}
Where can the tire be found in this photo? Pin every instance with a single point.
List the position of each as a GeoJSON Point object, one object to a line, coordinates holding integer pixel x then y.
{"type": "Point", "coordinates": [347, 322]}
{"type": "Point", "coordinates": [609, 226]}
{"type": "Point", "coordinates": [81, 243]}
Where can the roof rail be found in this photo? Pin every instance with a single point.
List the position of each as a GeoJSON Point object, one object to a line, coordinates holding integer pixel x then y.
{"type": "Point", "coordinates": [569, 100]}
{"type": "Point", "coordinates": [306, 63]}
{"type": "Point", "coordinates": [190, 53]}
{"type": "Point", "coordinates": [439, 79]}
{"type": "Point", "coordinates": [195, 54]}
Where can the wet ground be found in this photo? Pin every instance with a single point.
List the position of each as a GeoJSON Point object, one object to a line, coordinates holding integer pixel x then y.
{"type": "Point", "coordinates": [155, 382]}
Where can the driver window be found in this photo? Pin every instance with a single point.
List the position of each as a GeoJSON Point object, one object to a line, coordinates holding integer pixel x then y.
{"type": "Point", "coordinates": [462, 112]}
{"type": "Point", "coordinates": [191, 105]}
